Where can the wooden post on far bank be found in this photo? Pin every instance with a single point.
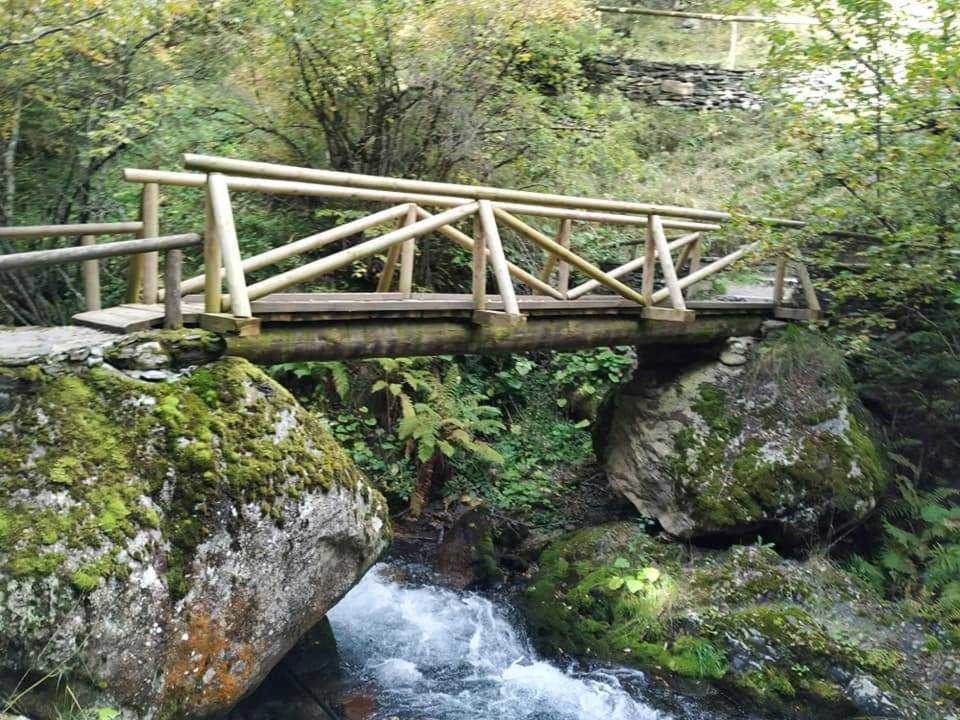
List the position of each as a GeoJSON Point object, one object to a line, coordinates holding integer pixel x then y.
{"type": "Point", "coordinates": [732, 53]}
{"type": "Point", "coordinates": [91, 277]}
{"type": "Point", "coordinates": [172, 272]}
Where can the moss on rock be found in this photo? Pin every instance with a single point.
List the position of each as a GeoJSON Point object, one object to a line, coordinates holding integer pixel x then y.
{"type": "Point", "coordinates": [111, 486]}
{"type": "Point", "coordinates": [787, 638]}
{"type": "Point", "coordinates": [779, 445]}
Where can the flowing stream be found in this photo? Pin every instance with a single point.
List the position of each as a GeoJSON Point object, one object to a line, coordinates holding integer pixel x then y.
{"type": "Point", "coordinates": [434, 653]}
{"type": "Point", "coordinates": [420, 652]}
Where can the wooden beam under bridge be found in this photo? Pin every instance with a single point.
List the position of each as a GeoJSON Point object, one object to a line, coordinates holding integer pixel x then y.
{"type": "Point", "coordinates": [358, 339]}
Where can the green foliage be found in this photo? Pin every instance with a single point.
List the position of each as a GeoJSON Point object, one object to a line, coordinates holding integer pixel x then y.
{"type": "Point", "coordinates": [588, 374]}
{"type": "Point", "coordinates": [920, 550]}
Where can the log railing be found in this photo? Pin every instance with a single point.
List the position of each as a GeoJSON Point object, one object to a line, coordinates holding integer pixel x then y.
{"type": "Point", "coordinates": [90, 253]}
{"type": "Point", "coordinates": [670, 267]}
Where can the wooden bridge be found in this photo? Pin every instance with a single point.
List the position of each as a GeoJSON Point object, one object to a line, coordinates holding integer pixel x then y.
{"type": "Point", "coordinates": [510, 308]}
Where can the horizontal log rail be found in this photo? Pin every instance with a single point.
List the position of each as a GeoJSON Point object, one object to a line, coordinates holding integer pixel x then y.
{"type": "Point", "coordinates": [309, 189]}
{"type": "Point", "coordinates": [77, 230]}
{"type": "Point", "coordinates": [58, 256]}
{"type": "Point", "coordinates": [89, 253]}
{"type": "Point", "coordinates": [768, 19]}
{"type": "Point", "coordinates": [209, 163]}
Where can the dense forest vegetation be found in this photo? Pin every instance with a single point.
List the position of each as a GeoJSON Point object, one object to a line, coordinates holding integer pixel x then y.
{"type": "Point", "coordinates": [500, 92]}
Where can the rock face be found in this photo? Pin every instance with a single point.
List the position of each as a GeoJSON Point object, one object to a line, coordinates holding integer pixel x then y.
{"type": "Point", "coordinates": [163, 544]}
{"type": "Point", "coordinates": [788, 639]}
{"type": "Point", "coordinates": [768, 439]}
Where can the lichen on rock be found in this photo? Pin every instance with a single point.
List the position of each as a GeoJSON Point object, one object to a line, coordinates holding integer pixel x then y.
{"type": "Point", "coordinates": [787, 638]}
{"type": "Point", "coordinates": [162, 544]}
{"type": "Point", "coordinates": [777, 445]}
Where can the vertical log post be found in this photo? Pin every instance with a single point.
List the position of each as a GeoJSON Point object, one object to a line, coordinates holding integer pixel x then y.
{"type": "Point", "coordinates": [150, 215]}
{"type": "Point", "coordinates": [684, 256]}
{"type": "Point", "coordinates": [479, 266]}
{"type": "Point", "coordinates": [809, 293]}
{"type": "Point", "coordinates": [172, 272]}
{"type": "Point", "coordinates": [778, 282]}
{"type": "Point", "coordinates": [666, 263]}
{"type": "Point", "coordinates": [649, 266]}
{"type": "Point", "coordinates": [498, 260]}
{"type": "Point", "coordinates": [696, 253]}
{"type": "Point", "coordinates": [222, 210]}
{"type": "Point", "coordinates": [91, 277]}
{"type": "Point", "coordinates": [408, 251]}
{"type": "Point", "coordinates": [137, 263]}
{"type": "Point", "coordinates": [213, 263]}
{"type": "Point", "coordinates": [732, 53]}
{"type": "Point", "coordinates": [390, 264]}
{"type": "Point", "coordinates": [563, 273]}
{"type": "Point", "coordinates": [550, 262]}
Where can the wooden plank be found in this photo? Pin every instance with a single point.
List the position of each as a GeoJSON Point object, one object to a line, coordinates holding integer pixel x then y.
{"type": "Point", "coordinates": [121, 319]}
{"type": "Point", "coordinates": [226, 324]}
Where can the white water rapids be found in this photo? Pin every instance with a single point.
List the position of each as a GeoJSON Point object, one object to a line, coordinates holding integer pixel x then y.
{"type": "Point", "coordinates": [431, 653]}
{"type": "Point", "coordinates": [416, 651]}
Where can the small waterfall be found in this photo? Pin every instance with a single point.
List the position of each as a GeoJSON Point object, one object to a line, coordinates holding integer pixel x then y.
{"type": "Point", "coordinates": [415, 651]}
{"type": "Point", "coordinates": [430, 653]}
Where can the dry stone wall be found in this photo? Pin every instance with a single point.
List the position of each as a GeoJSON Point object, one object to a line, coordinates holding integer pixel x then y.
{"type": "Point", "coordinates": [689, 87]}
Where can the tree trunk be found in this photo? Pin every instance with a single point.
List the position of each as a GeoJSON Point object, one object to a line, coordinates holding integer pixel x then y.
{"type": "Point", "coordinates": [9, 156]}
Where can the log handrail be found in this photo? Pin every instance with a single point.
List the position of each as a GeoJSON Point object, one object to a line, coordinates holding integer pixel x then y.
{"type": "Point", "coordinates": [210, 163]}
{"type": "Point", "coordinates": [73, 230]}
{"type": "Point", "coordinates": [290, 187]}
{"type": "Point", "coordinates": [59, 256]}
{"type": "Point", "coordinates": [719, 17]}
{"type": "Point", "coordinates": [490, 209]}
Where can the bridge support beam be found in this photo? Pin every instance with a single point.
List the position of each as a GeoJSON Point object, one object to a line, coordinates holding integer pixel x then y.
{"type": "Point", "coordinates": [368, 339]}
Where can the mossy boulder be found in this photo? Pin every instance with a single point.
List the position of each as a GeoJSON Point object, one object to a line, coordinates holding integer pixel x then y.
{"type": "Point", "coordinates": [785, 638]}
{"type": "Point", "coordinates": [768, 439]}
{"type": "Point", "coordinates": [163, 544]}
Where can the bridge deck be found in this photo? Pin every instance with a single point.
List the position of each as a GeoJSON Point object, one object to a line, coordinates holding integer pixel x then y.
{"type": "Point", "coordinates": [312, 307]}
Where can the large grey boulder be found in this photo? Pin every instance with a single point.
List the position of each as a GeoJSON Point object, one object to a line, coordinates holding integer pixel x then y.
{"type": "Point", "coordinates": [164, 544]}
{"type": "Point", "coordinates": [767, 439]}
